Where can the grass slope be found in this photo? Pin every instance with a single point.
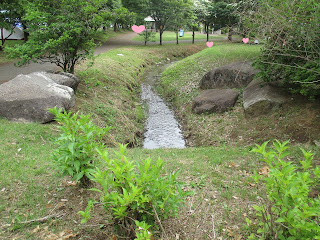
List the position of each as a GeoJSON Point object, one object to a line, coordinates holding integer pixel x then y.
{"type": "Point", "coordinates": [298, 120]}
{"type": "Point", "coordinates": [109, 90]}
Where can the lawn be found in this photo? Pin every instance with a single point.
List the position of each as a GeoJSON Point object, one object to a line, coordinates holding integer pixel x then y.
{"type": "Point", "coordinates": [171, 36]}
{"type": "Point", "coordinates": [31, 188]}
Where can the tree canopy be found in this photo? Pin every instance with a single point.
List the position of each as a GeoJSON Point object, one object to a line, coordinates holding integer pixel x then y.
{"type": "Point", "coordinates": [61, 32]}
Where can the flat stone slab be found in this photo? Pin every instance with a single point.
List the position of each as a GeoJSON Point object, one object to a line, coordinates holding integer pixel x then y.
{"type": "Point", "coordinates": [260, 98]}
{"type": "Point", "coordinates": [215, 100]}
{"type": "Point", "coordinates": [234, 75]}
{"type": "Point", "coordinates": [27, 98]}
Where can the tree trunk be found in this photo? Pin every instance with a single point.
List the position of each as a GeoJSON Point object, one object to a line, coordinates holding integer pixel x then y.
{"type": "Point", "coordinates": [25, 34]}
{"type": "Point", "coordinates": [161, 36]}
{"type": "Point", "coordinates": [207, 30]}
{"type": "Point", "coordinates": [177, 37]}
{"type": "Point", "coordinates": [244, 33]}
{"type": "Point", "coordinates": [230, 34]}
{"type": "Point", "coordinates": [2, 40]}
{"type": "Point", "coordinates": [115, 27]}
{"type": "Point", "coordinates": [192, 35]}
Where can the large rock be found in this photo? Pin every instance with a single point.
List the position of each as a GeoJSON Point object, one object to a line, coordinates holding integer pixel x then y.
{"type": "Point", "coordinates": [215, 100]}
{"type": "Point", "coordinates": [62, 78]}
{"type": "Point", "coordinates": [260, 98]}
{"type": "Point", "coordinates": [234, 75]}
{"type": "Point", "coordinates": [26, 98]}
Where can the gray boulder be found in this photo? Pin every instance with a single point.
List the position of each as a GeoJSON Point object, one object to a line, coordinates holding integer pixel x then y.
{"type": "Point", "coordinates": [62, 78]}
{"type": "Point", "coordinates": [260, 98]}
{"type": "Point", "coordinates": [215, 100]}
{"type": "Point", "coordinates": [234, 75]}
{"type": "Point", "coordinates": [26, 98]}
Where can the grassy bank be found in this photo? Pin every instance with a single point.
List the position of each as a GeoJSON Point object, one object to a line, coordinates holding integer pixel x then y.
{"type": "Point", "coordinates": [109, 90]}
{"type": "Point", "coordinates": [298, 120]}
{"type": "Point", "coordinates": [30, 189]}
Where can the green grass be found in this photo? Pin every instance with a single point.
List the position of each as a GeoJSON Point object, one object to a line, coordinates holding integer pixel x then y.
{"type": "Point", "coordinates": [171, 36]}
{"type": "Point", "coordinates": [30, 188]}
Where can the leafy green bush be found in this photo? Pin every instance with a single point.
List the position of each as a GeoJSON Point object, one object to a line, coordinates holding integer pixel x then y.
{"type": "Point", "coordinates": [288, 212]}
{"type": "Point", "coordinates": [148, 36]}
{"type": "Point", "coordinates": [291, 53]}
{"type": "Point", "coordinates": [77, 145]}
{"type": "Point", "coordinates": [135, 191]}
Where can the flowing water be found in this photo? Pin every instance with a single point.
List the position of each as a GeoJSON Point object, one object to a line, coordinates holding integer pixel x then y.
{"type": "Point", "coordinates": [162, 129]}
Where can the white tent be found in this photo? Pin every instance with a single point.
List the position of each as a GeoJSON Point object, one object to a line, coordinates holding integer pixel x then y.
{"type": "Point", "coordinates": [16, 35]}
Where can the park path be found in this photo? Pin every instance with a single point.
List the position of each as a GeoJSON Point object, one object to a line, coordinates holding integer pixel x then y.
{"type": "Point", "coordinates": [9, 71]}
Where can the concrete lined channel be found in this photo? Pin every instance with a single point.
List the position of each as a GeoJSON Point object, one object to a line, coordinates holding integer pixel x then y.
{"type": "Point", "coordinates": [162, 130]}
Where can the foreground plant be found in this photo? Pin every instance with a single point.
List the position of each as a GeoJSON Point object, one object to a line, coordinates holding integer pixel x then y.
{"type": "Point", "coordinates": [288, 211]}
{"type": "Point", "coordinates": [77, 145]}
{"type": "Point", "coordinates": [137, 192]}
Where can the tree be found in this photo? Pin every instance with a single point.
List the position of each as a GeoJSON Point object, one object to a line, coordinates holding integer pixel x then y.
{"type": "Point", "coordinates": [224, 15]}
{"type": "Point", "coordinates": [122, 16]}
{"type": "Point", "coordinates": [181, 11]}
{"type": "Point", "coordinates": [61, 32]}
{"type": "Point", "coordinates": [139, 7]}
{"type": "Point", "coordinates": [162, 11]}
{"type": "Point", "coordinates": [203, 12]}
{"type": "Point", "coordinates": [11, 12]}
{"type": "Point", "coordinates": [291, 53]}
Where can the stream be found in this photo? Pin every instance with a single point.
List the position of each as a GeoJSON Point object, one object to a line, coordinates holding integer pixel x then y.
{"type": "Point", "coordinates": [161, 129]}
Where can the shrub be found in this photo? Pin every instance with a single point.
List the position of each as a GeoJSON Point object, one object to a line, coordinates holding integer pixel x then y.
{"type": "Point", "coordinates": [288, 212]}
{"type": "Point", "coordinates": [291, 53]}
{"type": "Point", "coordinates": [77, 145]}
{"type": "Point", "coordinates": [137, 192]}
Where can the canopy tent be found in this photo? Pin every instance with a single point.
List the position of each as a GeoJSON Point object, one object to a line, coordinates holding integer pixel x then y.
{"type": "Point", "coordinates": [16, 35]}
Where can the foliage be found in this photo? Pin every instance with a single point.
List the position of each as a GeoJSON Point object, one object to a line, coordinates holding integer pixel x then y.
{"type": "Point", "coordinates": [142, 232]}
{"type": "Point", "coordinates": [147, 36]}
{"type": "Point", "coordinates": [163, 11]}
{"type": "Point", "coordinates": [288, 212]}
{"type": "Point", "coordinates": [224, 15]}
{"type": "Point", "coordinates": [11, 11]}
{"type": "Point", "coordinates": [138, 7]}
{"type": "Point", "coordinates": [61, 32]}
{"type": "Point", "coordinates": [136, 191]}
{"type": "Point", "coordinates": [291, 54]}
{"type": "Point", "coordinates": [77, 145]}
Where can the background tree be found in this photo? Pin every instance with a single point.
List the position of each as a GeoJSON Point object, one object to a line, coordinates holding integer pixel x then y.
{"type": "Point", "coordinates": [162, 11]}
{"type": "Point", "coordinates": [61, 32]}
{"type": "Point", "coordinates": [139, 7]}
{"type": "Point", "coordinates": [181, 11]}
{"type": "Point", "coordinates": [122, 17]}
{"type": "Point", "coordinates": [11, 12]}
{"type": "Point", "coordinates": [203, 12]}
{"type": "Point", "coordinates": [291, 53]}
{"type": "Point", "coordinates": [224, 15]}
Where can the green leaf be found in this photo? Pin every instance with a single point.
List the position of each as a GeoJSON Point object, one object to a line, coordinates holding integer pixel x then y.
{"type": "Point", "coordinates": [76, 164]}
{"type": "Point", "coordinates": [78, 176]}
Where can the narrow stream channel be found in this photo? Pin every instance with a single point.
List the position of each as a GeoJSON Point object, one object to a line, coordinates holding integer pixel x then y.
{"type": "Point", "coordinates": [162, 129]}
